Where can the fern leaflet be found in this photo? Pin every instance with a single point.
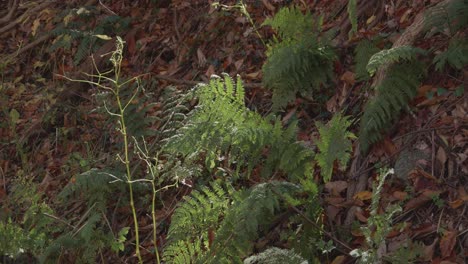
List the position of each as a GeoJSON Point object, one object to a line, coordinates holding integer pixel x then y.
{"type": "Point", "coordinates": [393, 95]}
{"type": "Point", "coordinates": [334, 145]}
{"type": "Point", "coordinates": [392, 55]}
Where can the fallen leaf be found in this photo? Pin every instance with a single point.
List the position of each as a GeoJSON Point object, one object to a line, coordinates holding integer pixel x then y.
{"type": "Point", "coordinates": [253, 75]}
{"type": "Point", "coordinates": [332, 212]}
{"type": "Point", "coordinates": [447, 243]}
{"type": "Point", "coordinates": [339, 260]}
{"type": "Point", "coordinates": [360, 216]}
{"type": "Point", "coordinates": [336, 187]}
{"type": "Point", "coordinates": [429, 251]}
{"type": "Point", "coordinates": [348, 77]}
{"type": "Point", "coordinates": [364, 195]}
{"type": "Point", "coordinates": [268, 5]}
{"type": "Point", "coordinates": [457, 203]}
{"type": "Point", "coordinates": [201, 59]}
{"type": "Point", "coordinates": [423, 198]}
{"type": "Point", "coordinates": [441, 155]}
{"type": "Point", "coordinates": [401, 196]}
{"type": "Point", "coordinates": [210, 71]}
{"type": "Point", "coordinates": [239, 63]}
{"type": "Point", "coordinates": [462, 193]}
{"type": "Point", "coordinates": [424, 89]}
{"type": "Point", "coordinates": [370, 19]}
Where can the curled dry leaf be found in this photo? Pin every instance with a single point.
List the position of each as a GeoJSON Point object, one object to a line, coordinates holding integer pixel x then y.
{"type": "Point", "coordinates": [447, 243]}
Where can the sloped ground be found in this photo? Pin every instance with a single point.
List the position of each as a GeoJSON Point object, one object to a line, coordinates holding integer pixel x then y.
{"type": "Point", "coordinates": [50, 131]}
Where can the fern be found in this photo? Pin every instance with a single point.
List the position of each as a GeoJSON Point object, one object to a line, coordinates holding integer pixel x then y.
{"type": "Point", "coordinates": [300, 62]}
{"type": "Point", "coordinates": [93, 186]}
{"type": "Point", "coordinates": [393, 95]}
{"type": "Point", "coordinates": [233, 218]}
{"type": "Point", "coordinates": [451, 16]}
{"type": "Point", "coordinates": [393, 55]}
{"type": "Point", "coordinates": [363, 52]}
{"type": "Point", "coordinates": [276, 256]}
{"type": "Point", "coordinates": [222, 127]}
{"type": "Point", "coordinates": [291, 23]}
{"type": "Point", "coordinates": [334, 145]}
{"type": "Point", "coordinates": [456, 55]}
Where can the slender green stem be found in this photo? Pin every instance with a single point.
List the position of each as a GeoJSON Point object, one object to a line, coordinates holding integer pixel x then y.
{"type": "Point", "coordinates": [153, 214]}
{"type": "Point", "coordinates": [129, 174]}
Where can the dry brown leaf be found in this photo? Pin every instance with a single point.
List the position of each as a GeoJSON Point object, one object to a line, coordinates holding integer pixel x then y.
{"type": "Point", "coordinates": [253, 75]}
{"type": "Point", "coordinates": [201, 58]}
{"type": "Point", "coordinates": [210, 71]}
{"type": "Point", "coordinates": [447, 243]}
{"type": "Point", "coordinates": [364, 195]}
{"type": "Point", "coordinates": [332, 212]}
{"type": "Point", "coordinates": [360, 216]}
{"type": "Point", "coordinates": [348, 77]}
{"type": "Point", "coordinates": [401, 196]}
{"type": "Point", "coordinates": [238, 63]}
{"type": "Point", "coordinates": [423, 198]}
{"type": "Point", "coordinates": [268, 5]}
{"type": "Point", "coordinates": [429, 251]}
{"type": "Point", "coordinates": [441, 155]}
{"type": "Point", "coordinates": [457, 203]}
{"type": "Point", "coordinates": [336, 201]}
{"type": "Point", "coordinates": [424, 89]}
{"type": "Point", "coordinates": [336, 187]}
{"type": "Point", "coordinates": [462, 193]}
{"type": "Point", "coordinates": [339, 260]}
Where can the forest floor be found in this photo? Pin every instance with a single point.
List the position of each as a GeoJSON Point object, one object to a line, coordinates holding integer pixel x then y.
{"type": "Point", "coordinates": [50, 130]}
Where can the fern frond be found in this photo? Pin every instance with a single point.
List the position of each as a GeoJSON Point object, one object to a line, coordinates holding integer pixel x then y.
{"type": "Point", "coordinates": [363, 52]}
{"type": "Point", "coordinates": [276, 256]}
{"type": "Point", "coordinates": [453, 15]}
{"type": "Point", "coordinates": [389, 56]}
{"type": "Point", "coordinates": [291, 23]}
{"type": "Point", "coordinates": [456, 55]}
{"type": "Point", "coordinates": [94, 186]}
{"type": "Point", "coordinates": [334, 145]}
{"type": "Point", "coordinates": [221, 125]}
{"type": "Point", "coordinates": [393, 95]}
{"type": "Point", "coordinates": [254, 209]}
{"type": "Point", "coordinates": [296, 66]}
{"type": "Point", "coordinates": [300, 62]}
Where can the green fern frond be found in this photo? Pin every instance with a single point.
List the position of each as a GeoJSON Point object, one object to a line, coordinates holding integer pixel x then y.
{"type": "Point", "coordinates": [300, 62]}
{"type": "Point", "coordinates": [247, 215]}
{"type": "Point", "coordinates": [276, 256]}
{"type": "Point", "coordinates": [451, 16]}
{"type": "Point", "coordinates": [291, 23]}
{"type": "Point", "coordinates": [393, 95]}
{"type": "Point", "coordinates": [389, 56]}
{"type": "Point", "coordinates": [456, 55]}
{"type": "Point", "coordinates": [93, 186]}
{"type": "Point", "coordinates": [221, 125]}
{"type": "Point", "coordinates": [296, 66]}
{"type": "Point", "coordinates": [334, 145]}
{"type": "Point", "coordinates": [363, 52]}
{"type": "Point", "coordinates": [233, 218]}
{"type": "Point", "coordinates": [205, 208]}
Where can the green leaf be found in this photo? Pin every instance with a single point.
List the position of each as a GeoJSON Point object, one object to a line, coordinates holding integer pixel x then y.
{"type": "Point", "coordinates": [14, 116]}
